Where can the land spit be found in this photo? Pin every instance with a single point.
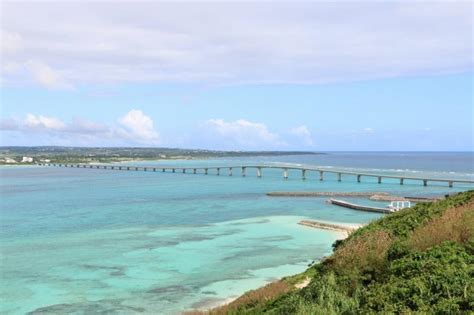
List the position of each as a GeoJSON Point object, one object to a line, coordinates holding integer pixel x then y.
{"type": "Point", "coordinates": [328, 226]}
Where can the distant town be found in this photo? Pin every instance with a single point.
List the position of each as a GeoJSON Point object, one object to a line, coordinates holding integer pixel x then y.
{"type": "Point", "coordinates": [52, 154]}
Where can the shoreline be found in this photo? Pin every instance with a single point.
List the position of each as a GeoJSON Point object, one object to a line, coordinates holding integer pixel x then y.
{"type": "Point", "coordinates": [342, 230]}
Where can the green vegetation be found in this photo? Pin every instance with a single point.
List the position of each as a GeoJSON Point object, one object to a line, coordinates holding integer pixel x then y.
{"type": "Point", "coordinates": [12, 155]}
{"type": "Point", "coordinates": [419, 260]}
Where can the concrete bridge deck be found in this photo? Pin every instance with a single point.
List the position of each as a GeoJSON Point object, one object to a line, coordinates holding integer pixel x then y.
{"type": "Point", "coordinates": [259, 171]}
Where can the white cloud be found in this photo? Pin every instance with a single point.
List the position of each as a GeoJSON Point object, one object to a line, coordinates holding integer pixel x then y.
{"type": "Point", "coordinates": [132, 129]}
{"type": "Point", "coordinates": [243, 134]}
{"type": "Point", "coordinates": [43, 122]}
{"type": "Point", "coordinates": [243, 42]}
{"type": "Point", "coordinates": [138, 127]}
{"type": "Point", "coordinates": [11, 42]}
{"type": "Point", "coordinates": [368, 130]}
{"type": "Point", "coordinates": [303, 133]}
{"type": "Point", "coordinates": [46, 76]}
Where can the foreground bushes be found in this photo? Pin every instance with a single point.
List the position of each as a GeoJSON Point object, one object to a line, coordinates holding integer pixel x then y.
{"type": "Point", "coordinates": [417, 260]}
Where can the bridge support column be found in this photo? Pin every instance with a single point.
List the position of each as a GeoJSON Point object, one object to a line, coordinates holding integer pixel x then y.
{"type": "Point", "coordinates": [136, 168]}
{"type": "Point", "coordinates": [218, 171]}
{"type": "Point", "coordinates": [154, 169]}
{"type": "Point", "coordinates": [174, 171]}
{"type": "Point", "coordinates": [380, 180]}
{"type": "Point", "coordinates": [425, 182]}
{"type": "Point", "coordinates": [194, 171]}
{"type": "Point", "coordinates": [401, 181]}
{"type": "Point", "coordinates": [230, 171]}
{"type": "Point", "coordinates": [339, 175]}
{"type": "Point", "coordinates": [205, 171]}
{"type": "Point", "coordinates": [259, 172]}
{"type": "Point", "coordinates": [321, 175]}
{"type": "Point", "coordinates": [358, 178]}
{"type": "Point", "coordinates": [450, 184]}
{"type": "Point", "coordinates": [184, 170]}
{"type": "Point", "coordinates": [163, 170]}
{"type": "Point", "coordinates": [243, 171]}
{"type": "Point", "coordinates": [285, 173]}
{"type": "Point", "coordinates": [144, 169]}
{"type": "Point", "coordinates": [303, 174]}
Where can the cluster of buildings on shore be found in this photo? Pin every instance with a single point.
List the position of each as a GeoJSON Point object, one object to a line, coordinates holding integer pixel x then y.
{"type": "Point", "coordinates": [24, 159]}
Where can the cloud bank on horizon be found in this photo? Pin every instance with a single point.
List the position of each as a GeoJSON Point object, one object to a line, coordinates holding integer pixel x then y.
{"type": "Point", "coordinates": [215, 45]}
{"type": "Point", "coordinates": [137, 128]}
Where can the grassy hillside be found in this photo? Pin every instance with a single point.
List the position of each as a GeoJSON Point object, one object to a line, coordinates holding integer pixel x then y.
{"type": "Point", "coordinates": [417, 260]}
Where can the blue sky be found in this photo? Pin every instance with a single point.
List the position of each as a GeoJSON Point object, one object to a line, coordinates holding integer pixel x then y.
{"type": "Point", "coordinates": [308, 76]}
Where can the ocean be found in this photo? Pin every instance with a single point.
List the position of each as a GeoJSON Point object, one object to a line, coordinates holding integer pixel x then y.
{"type": "Point", "coordinates": [89, 241]}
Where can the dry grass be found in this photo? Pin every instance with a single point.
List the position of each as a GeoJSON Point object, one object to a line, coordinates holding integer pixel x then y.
{"type": "Point", "coordinates": [455, 224]}
{"type": "Point", "coordinates": [251, 298]}
{"type": "Point", "coordinates": [363, 251]}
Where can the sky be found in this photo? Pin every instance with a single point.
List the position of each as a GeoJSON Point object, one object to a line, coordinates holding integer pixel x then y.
{"type": "Point", "coordinates": [312, 75]}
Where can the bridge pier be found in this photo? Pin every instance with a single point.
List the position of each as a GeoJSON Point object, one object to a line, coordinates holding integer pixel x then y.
{"type": "Point", "coordinates": [303, 174]}
{"type": "Point", "coordinates": [450, 184]}
{"type": "Point", "coordinates": [163, 170]}
{"type": "Point", "coordinates": [136, 168]}
{"type": "Point", "coordinates": [205, 171]}
{"type": "Point", "coordinates": [194, 171]}
{"type": "Point", "coordinates": [401, 181]}
{"type": "Point", "coordinates": [243, 171]}
{"type": "Point", "coordinates": [154, 169]}
{"type": "Point", "coordinates": [174, 170]}
{"type": "Point", "coordinates": [321, 175]}
{"type": "Point", "coordinates": [230, 171]}
{"type": "Point", "coordinates": [425, 182]}
{"type": "Point", "coordinates": [339, 175]}
{"type": "Point", "coordinates": [259, 172]}
{"type": "Point", "coordinates": [218, 171]}
{"type": "Point", "coordinates": [144, 169]}
{"type": "Point", "coordinates": [380, 180]}
{"type": "Point", "coordinates": [184, 171]}
{"type": "Point", "coordinates": [358, 178]}
{"type": "Point", "coordinates": [285, 173]}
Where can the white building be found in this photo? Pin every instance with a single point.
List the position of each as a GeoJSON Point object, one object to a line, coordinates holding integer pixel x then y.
{"type": "Point", "coordinates": [27, 159]}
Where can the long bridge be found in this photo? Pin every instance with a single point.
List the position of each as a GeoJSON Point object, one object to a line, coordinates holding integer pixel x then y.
{"type": "Point", "coordinates": [218, 170]}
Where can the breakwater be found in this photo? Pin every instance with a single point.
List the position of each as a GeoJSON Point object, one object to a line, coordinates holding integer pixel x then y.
{"type": "Point", "coordinates": [358, 207]}
{"type": "Point", "coordinates": [324, 194]}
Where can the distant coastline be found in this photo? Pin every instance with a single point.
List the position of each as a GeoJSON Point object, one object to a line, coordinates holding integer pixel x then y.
{"type": "Point", "coordinates": [11, 155]}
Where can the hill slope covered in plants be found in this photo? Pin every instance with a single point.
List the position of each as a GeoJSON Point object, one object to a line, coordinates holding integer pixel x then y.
{"type": "Point", "coordinates": [416, 260]}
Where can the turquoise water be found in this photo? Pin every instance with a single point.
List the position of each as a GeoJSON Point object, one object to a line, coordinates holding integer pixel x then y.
{"type": "Point", "coordinates": [88, 241]}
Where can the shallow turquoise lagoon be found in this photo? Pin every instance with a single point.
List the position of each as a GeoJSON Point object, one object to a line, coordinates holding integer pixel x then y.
{"type": "Point", "coordinates": [85, 241]}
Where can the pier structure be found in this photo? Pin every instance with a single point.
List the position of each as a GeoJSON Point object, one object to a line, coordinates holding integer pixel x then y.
{"type": "Point", "coordinates": [305, 172]}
